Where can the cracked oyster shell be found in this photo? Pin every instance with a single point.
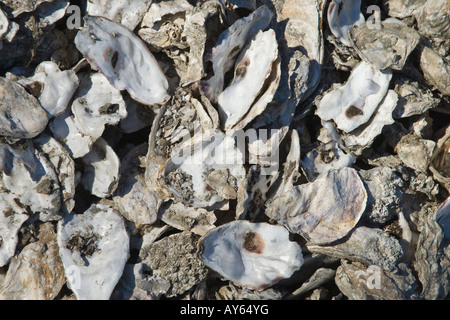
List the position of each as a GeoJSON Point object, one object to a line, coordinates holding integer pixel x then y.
{"type": "Point", "coordinates": [208, 170]}
{"type": "Point", "coordinates": [37, 272]}
{"type": "Point", "coordinates": [254, 255]}
{"type": "Point", "coordinates": [352, 104]}
{"type": "Point", "coordinates": [94, 247]}
{"type": "Point", "coordinates": [123, 58]}
{"type": "Point", "coordinates": [227, 48]}
{"type": "Point", "coordinates": [96, 105]}
{"type": "Point", "coordinates": [342, 15]}
{"type": "Point", "coordinates": [129, 13]}
{"type": "Point", "coordinates": [387, 47]}
{"type": "Point", "coordinates": [239, 101]}
{"type": "Point", "coordinates": [322, 211]}
{"type": "Point", "coordinates": [52, 87]}
{"type": "Point", "coordinates": [101, 172]}
{"type": "Point", "coordinates": [21, 115]}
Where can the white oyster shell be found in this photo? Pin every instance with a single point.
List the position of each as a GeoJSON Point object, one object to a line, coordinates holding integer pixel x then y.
{"type": "Point", "coordinates": [12, 216]}
{"type": "Point", "coordinates": [101, 174]}
{"type": "Point", "coordinates": [229, 45]}
{"type": "Point", "coordinates": [65, 131]}
{"type": "Point", "coordinates": [352, 104]}
{"type": "Point", "coordinates": [123, 58]}
{"type": "Point", "coordinates": [21, 115]}
{"type": "Point", "coordinates": [94, 247]}
{"type": "Point", "coordinates": [342, 15]}
{"type": "Point", "coordinates": [55, 87]}
{"type": "Point", "coordinates": [207, 170]}
{"type": "Point", "coordinates": [97, 104]}
{"type": "Point", "coordinates": [126, 12]}
{"type": "Point", "coordinates": [364, 135]}
{"type": "Point", "coordinates": [254, 255]}
{"type": "Point", "coordinates": [322, 211]}
{"type": "Point", "coordinates": [253, 68]}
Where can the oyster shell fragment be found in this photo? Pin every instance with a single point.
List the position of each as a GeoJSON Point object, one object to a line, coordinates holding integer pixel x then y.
{"type": "Point", "coordinates": [254, 255]}
{"type": "Point", "coordinates": [342, 15]}
{"type": "Point", "coordinates": [94, 248]}
{"type": "Point", "coordinates": [123, 58]}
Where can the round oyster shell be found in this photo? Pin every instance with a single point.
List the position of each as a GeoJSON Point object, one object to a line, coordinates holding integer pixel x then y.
{"type": "Point", "coordinates": [94, 247]}
{"type": "Point", "coordinates": [21, 115]}
{"type": "Point", "coordinates": [123, 58]}
{"type": "Point", "coordinates": [254, 255]}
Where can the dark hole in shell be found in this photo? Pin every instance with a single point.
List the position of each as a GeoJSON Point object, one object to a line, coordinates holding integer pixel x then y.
{"type": "Point", "coordinates": [353, 111]}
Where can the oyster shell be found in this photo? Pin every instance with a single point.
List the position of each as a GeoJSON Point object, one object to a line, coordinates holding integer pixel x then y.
{"type": "Point", "coordinates": [385, 47]}
{"type": "Point", "coordinates": [19, 7]}
{"type": "Point", "coordinates": [21, 115]}
{"type": "Point", "coordinates": [101, 173]}
{"type": "Point", "coordinates": [4, 24]}
{"type": "Point", "coordinates": [436, 70]}
{"type": "Point", "coordinates": [97, 103]}
{"type": "Point", "coordinates": [230, 43]}
{"type": "Point", "coordinates": [342, 15]}
{"type": "Point", "coordinates": [133, 198]}
{"type": "Point", "coordinates": [37, 272]}
{"type": "Point", "coordinates": [440, 160]}
{"type": "Point", "coordinates": [255, 66]}
{"type": "Point", "coordinates": [207, 170]}
{"type": "Point", "coordinates": [12, 216]}
{"type": "Point", "coordinates": [322, 211]}
{"type": "Point", "coordinates": [126, 12]}
{"type": "Point", "coordinates": [416, 153]}
{"type": "Point", "coordinates": [53, 88]}
{"type": "Point", "coordinates": [249, 253]}
{"type": "Point", "coordinates": [352, 104]}
{"type": "Point", "coordinates": [179, 252]}
{"type": "Point", "coordinates": [358, 282]}
{"type": "Point", "coordinates": [370, 246]}
{"type": "Point", "coordinates": [123, 58]}
{"type": "Point", "coordinates": [94, 248]}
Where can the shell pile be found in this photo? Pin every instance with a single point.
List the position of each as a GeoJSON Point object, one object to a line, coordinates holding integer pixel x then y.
{"type": "Point", "coordinates": [225, 149]}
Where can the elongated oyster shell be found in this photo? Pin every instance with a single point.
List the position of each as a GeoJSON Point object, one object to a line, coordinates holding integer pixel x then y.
{"type": "Point", "coordinates": [97, 104]}
{"type": "Point", "coordinates": [342, 15]}
{"type": "Point", "coordinates": [352, 104]}
{"type": "Point", "coordinates": [54, 88]}
{"type": "Point", "coordinates": [254, 255]}
{"type": "Point", "coordinates": [385, 47]}
{"type": "Point", "coordinates": [230, 43]}
{"type": "Point", "coordinates": [253, 68]}
{"type": "Point", "coordinates": [94, 248]}
{"type": "Point", "coordinates": [37, 272]}
{"type": "Point", "coordinates": [12, 216]}
{"type": "Point", "coordinates": [21, 115]}
{"type": "Point", "coordinates": [135, 200]}
{"type": "Point", "coordinates": [123, 58]}
{"type": "Point", "coordinates": [102, 166]}
{"type": "Point", "coordinates": [322, 211]}
{"type": "Point", "coordinates": [126, 12]}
